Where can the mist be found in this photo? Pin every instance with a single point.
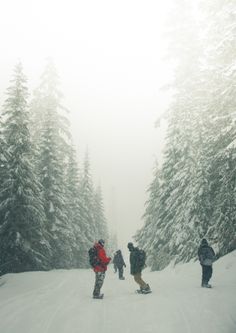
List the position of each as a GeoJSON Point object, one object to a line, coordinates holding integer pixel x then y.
{"type": "Point", "coordinates": [117, 125]}
{"type": "Point", "coordinates": [110, 59]}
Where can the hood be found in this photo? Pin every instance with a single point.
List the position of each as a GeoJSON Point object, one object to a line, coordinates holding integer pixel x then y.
{"type": "Point", "coordinates": [204, 242]}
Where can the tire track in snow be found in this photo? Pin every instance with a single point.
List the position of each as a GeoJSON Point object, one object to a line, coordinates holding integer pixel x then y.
{"type": "Point", "coordinates": [55, 314]}
{"type": "Point", "coordinates": [26, 294]}
{"type": "Point", "coordinates": [27, 302]}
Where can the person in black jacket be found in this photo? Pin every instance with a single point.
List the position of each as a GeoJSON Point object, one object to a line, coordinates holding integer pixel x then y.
{"type": "Point", "coordinates": [206, 257]}
{"type": "Point", "coordinates": [136, 267]}
{"type": "Point", "coordinates": [119, 264]}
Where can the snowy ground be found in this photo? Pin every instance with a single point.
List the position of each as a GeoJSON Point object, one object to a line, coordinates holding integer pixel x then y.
{"type": "Point", "coordinates": [60, 301]}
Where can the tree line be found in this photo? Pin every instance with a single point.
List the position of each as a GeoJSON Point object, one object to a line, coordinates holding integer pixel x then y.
{"type": "Point", "coordinates": [193, 192]}
{"type": "Point", "coordinates": [50, 210]}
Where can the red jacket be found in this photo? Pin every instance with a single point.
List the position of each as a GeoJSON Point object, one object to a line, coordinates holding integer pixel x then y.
{"type": "Point", "coordinates": [104, 260]}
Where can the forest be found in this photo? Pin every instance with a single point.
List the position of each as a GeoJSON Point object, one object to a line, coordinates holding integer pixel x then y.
{"type": "Point", "coordinates": [50, 209]}
{"type": "Point", "coordinates": [193, 193]}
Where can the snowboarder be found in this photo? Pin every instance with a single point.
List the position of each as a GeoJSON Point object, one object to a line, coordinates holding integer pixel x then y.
{"type": "Point", "coordinates": [137, 263]}
{"type": "Point", "coordinates": [100, 268]}
{"type": "Point", "coordinates": [119, 264]}
{"type": "Point", "coordinates": [206, 257]}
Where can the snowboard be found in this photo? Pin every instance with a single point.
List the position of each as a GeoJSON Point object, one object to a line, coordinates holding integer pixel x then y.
{"type": "Point", "coordinates": [99, 296]}
{"type": "Point", "coordinates": [138, 291]}
{"type": "Point", "coordinates": [208, 286]}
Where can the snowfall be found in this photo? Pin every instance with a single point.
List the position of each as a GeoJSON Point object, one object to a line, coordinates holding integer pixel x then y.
{"type": "Point", "coordinates": [60, 301]}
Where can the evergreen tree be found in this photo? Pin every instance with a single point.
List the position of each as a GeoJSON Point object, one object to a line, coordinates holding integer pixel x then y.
{"type": "Point", "coordinates": [176, 213]}
{"type": "Point", "coordinates": [87, 202]}
{"type": "Point", "coordinates": [148, 237]}
{"type": "Point", "coordinates": [221, 32]}
{"type": "Point", "coordinates": [52, 138]}
{"type": "Point", "coordinates": [78, 239]}
{"type": "Point", "coordinates": [99, 215]}
{"type": "Point", "coordinates": [197, 179]}
{"type": "Point", "coordinates": [4, 156]}
{"type": "Point", "coordinates": [23, 245]}
{"type": "Point", "coordinates": [93, 222]}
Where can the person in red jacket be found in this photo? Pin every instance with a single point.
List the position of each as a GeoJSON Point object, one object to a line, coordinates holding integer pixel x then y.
{"type": "Point", "coordinates": [100, 268]}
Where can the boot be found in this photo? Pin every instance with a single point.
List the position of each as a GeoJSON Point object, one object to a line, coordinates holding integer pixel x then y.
{"type": "Point", "coordinates": [204, 283]}
{"type": "Point", "coordinates": [146, 290]}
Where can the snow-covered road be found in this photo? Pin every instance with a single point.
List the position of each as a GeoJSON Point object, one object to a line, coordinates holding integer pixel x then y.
{"type": "Point", "coordinates": [60, 302]}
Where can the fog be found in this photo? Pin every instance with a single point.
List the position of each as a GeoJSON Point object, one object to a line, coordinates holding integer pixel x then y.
{"type": "Point", "coordinates": [110, 59]}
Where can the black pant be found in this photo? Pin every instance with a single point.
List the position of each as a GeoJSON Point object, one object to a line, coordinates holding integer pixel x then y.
{"type": "Point", "coordinates": [99, 279]}
{"type": "Point", "coordinates": [121, 271]}
{"type": "Point", "coordinates": [206, 273]}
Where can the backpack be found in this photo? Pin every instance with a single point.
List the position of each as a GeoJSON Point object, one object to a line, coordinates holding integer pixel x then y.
{"type": "Point", "coordinates": [141, 258]}
{"type": "Point", "coordinates": [93, 256]}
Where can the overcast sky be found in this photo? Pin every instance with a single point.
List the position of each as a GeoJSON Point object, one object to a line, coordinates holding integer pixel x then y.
{"type": "Point", "coordinates": [109, 55]}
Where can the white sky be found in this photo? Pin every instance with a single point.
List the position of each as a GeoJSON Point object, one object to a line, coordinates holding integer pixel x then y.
{"type": "Point", "coordinates": [109, 55]}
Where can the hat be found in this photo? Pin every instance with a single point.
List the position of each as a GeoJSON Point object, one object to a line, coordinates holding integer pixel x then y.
{"type": "Point", "coordinates": [204, 241]}
{"type": "Point", "coordinates": [101, 242]}
{"type": "Point", "coordinates": [130, 245]}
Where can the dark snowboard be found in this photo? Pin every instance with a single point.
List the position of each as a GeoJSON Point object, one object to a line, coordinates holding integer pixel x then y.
{"type": "Point", "coordinates": [99, 296]}
{"type": "Point", "coordinates": [143, 293]}
{"type": "Point", "coordinates": [209, 286]}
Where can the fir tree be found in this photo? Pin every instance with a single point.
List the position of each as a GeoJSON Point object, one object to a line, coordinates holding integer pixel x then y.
{"type": "Point", "coordinates": [78, 238]}
{"type": "Point", "coordinates": [4, 156]}
{"type": "Point", "coordinates": [148, 237]}
{"type": "Point", "coordinates": [23, 245]}
{"type": "Point", "coordinates": [197, 179]}
{"type": "Point", "coordinates": [177, 226]}
{"type": "Point", "coordinates": [52, 138]}
{"type": "Point", "coordinates": [87, 202]}
{"type": "Point", "coordinates": [221, 32]}
{"type": "Point", "coordinates": [99, 215]}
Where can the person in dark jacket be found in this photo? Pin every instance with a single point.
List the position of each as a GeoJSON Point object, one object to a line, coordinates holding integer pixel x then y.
{"type": "Point", "coordinates": [100, 268]}
{"type": "Point", "coordinates": [119, 264]}
{"type": "Point", "coordinates": [136, 268]}
{"type": "Point", "coordinates": [206, 256]}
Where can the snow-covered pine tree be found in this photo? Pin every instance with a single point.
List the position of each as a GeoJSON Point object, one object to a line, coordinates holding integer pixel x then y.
{"type": "Point", "coordinates": [221, 106]}
{"type": "Point", "coordinates": [52, 138]}
{"type": "Point", "coordinates": [147, 237]}
{"type": "Point", "coordinates": [176, 232]}
{"type": "Point", "coordinates": [99, 215]}
{"type": "Point", "coordinates": [23, 245]}
{"type": "Point", "coordinates": [3, 164]}
{"type": "Point", "coordinates": [78, 239]}
{"type": "Point", "coordinates": [87, 205]}
{"type": "Point", "coordinates": [197, 189]}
